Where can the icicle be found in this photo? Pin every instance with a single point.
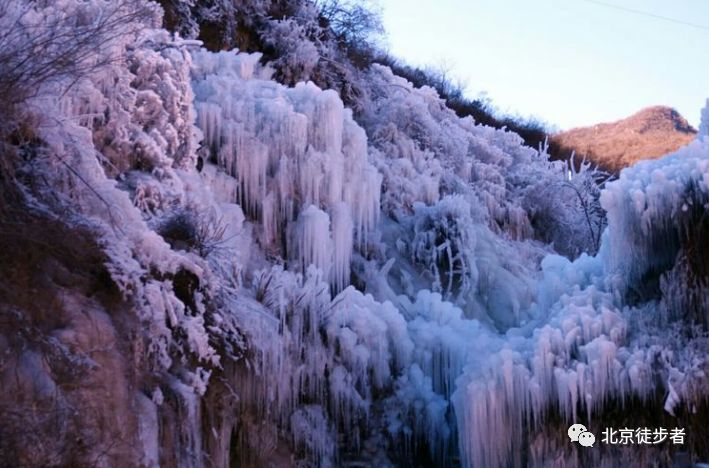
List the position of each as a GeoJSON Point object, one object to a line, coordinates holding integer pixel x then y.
{"type": "Point", "coordinates": [190, 430]}
{"type": "Point", "coordinates": [342, 232]}
{"type": "Point", "coordinates": [313, 239]}
{"type": "Point", "coordinates": [326, 122]}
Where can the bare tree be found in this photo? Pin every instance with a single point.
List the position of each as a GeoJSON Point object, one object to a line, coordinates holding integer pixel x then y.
{"type": "Point", "coordinates": [566, 210]}
{"type": "Point", "coordinates": [586, 182]}
{"type": "Point", "coordinates": [355, 23]}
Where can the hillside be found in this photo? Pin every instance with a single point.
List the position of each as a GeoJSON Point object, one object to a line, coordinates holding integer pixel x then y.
{"type": "Point", "coordinates": [212, 257]}
{"type": "Point", "coordinates": [648, 134]}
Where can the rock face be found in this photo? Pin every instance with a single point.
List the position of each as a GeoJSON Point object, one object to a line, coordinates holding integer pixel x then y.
{"type": "Point", "coordinates": [648, 134]}
{"type": "Point", "coordinates": [69, 392]}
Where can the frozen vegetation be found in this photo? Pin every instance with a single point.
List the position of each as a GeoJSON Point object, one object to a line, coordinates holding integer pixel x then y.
{"type": "Point", "coordinates": [300, 284]}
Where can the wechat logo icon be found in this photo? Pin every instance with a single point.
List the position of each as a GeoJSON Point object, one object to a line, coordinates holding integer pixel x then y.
{"type": "Point", "coordinates": [579, 433]}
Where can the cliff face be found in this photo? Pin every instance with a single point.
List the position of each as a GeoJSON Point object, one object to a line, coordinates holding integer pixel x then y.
{"type": "Point", "coordinates": [648, 134]}
{"type": "Point", "coordinates": [68, 389]}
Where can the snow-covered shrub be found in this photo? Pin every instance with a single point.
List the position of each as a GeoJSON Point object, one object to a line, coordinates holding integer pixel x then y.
{"type": "Point", "coordinates": [292, 41]}
{"type": "Point", "coordinates": [111, 145]}
{"type": "Point", "coordinates": [180, 230]}
{"type": "Point", "coordinates": [58, 43]}
{"type": "Point", "coordinates": [300, 41]}
{"type": "Point", "coordinates": [187, 230]}
{"type": "Point", "coordinates": [427, 151]}
{"type": "Point", "coordinates": [220, 24]}
{"type": "Point", "coordinates": [141, 116]}
{"type": "Point", "coordinates": [565, 210]}
{"type": "Point", "coordinates": [444, 243]}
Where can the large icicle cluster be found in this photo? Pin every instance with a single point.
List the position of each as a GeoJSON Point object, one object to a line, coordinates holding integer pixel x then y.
{"type": "Point", "coordinates": [331, 355]}
{"type": "Point", "coordinates": [299, 161]}
{"type": "Point", "coordinates": [658, 210]}
{"type": "Point", "coordinates": [587, 351]}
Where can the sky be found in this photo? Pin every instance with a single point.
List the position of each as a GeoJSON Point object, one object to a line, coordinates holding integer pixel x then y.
{"type": "Point", "coordinates": [568, 62]}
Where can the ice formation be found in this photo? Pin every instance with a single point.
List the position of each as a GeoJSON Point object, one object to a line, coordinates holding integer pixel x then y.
{"type": "Point", "coordinates": [367, 291]}
{"type": "Point", "coordinates": [704, 124]}
{"type": "Point", "coordinates": [585, 353]}
{"type": "Point", "coordinates": [296, 155]}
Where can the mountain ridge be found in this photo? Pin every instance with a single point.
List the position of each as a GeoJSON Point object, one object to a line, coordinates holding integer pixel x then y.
{"type": "Point", "coordinates": [647, 134]}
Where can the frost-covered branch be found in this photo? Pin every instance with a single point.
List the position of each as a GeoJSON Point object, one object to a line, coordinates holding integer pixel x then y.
{"type": "Point", "coordinates": [42, 44]}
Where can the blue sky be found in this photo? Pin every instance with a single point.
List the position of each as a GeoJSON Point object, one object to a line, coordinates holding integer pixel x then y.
{"type": "Point", "coordinates": [569, 62]}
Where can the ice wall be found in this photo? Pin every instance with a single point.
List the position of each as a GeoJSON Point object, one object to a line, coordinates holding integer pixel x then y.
{"type": "Point", "coordinates": [651, 212]}
{"type": "Point", "coordinates": [600, 338]}
{"type": "Point", "coordinates": [296, 155]}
